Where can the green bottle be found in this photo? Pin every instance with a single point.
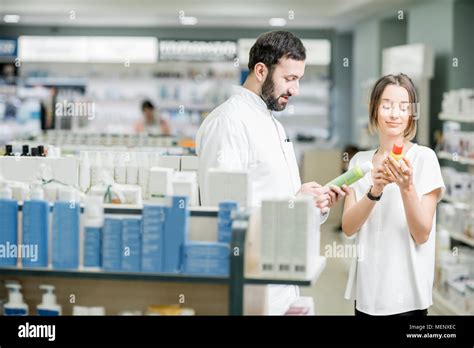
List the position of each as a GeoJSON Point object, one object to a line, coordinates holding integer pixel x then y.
{"type": "Point", "coordinates": [351, 176]}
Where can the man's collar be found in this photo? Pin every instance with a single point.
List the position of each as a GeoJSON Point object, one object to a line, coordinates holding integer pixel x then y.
{"type": "Point", "coordinates": [251, 97]}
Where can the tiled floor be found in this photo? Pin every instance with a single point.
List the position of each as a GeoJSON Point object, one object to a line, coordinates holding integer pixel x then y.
{"type": "Point", "coordinates": [328, 291]}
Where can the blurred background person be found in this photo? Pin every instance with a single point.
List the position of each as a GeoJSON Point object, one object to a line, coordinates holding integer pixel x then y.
{"type": "Point", "coordinates": [151, 122]}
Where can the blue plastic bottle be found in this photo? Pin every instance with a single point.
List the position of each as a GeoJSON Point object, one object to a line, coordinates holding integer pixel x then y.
{"type": "Point", "coordinates": [176, 231]}
{"type": "Point", "coordinates": [224, 232]}
{"type": "Point", "coordinates": [9, 228]}
{"type": "Point", "coordinates": [152, 243]}
{"type": "Point", "coordinates": [35, 231]}
{"type": "Point", "coordinates": [93, 223]}
{"type": "Point", "coordinates": [66, 217]}
{"type": "Point", "coordinates": [131, 245]}
{"type": "Point", "coordinates": [112, 245]}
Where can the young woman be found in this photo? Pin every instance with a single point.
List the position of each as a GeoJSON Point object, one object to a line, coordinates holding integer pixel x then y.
{"type": "Point", "coordinates": [392, 210]}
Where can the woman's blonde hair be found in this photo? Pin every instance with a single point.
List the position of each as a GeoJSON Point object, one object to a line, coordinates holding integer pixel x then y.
{"type": "Point", "coordinates": [401, 80]}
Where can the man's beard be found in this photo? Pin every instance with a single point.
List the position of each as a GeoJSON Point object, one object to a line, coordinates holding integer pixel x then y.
{"type": "Point", "coordinates": [268, 89]}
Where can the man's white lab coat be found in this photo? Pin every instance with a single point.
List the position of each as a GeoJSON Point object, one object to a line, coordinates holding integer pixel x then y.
{"type": "Point", "coordinates": [242, 134]}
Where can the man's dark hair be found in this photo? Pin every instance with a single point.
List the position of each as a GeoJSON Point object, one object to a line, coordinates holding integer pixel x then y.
{"type": "Point", "coordinates": [272, 46]}
{"type": "Point", "coordinates": [147, 104]}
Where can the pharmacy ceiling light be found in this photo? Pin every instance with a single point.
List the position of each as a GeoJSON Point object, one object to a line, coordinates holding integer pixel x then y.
{"type": "Point", "coordinates": [188, 20]}
{"type": "Point", "coordinates": [11, 18]}
{"type": "Point", "coordinates": [277, 22]}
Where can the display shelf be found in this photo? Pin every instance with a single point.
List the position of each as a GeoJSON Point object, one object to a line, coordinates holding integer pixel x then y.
{"type": "Point", "coordinates": [136, 209]}
{"type": "Point", "coordinates": [460, 205]}
{"type": "Point", "coordinates": [445, 305]}
{"type": "Point", "coordinates": [56, 81]}
{"type": "Point", "coordinates": [100, 274]}
{"type": "Point", "coordinates": [308, 281]}
{"type": "Point", "coordinates": [460, 159]}
{"type": "Point", "coordinates": [459, 236]}
{"type": "Point", "coordinates": [168, 105]}
{"type": "Point", "coordinates": [460, 118]}
{"type": "Point", "coordinates": [235, 281]}
{"type": "Point", "coordinates": [162, 277]}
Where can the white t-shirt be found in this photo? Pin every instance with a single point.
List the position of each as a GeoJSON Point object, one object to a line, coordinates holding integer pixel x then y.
{"type": "Point", "coordinates": [391, 273]}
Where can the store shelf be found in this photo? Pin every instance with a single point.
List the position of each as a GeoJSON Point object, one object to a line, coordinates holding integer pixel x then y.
{"type": "Point", "coordinates": [187, 106]}
{"type": "Point", "coordinates": [457, 118]}
{"type": "Point", "coordinates": [310, 280]}
{"type": "Point", "coordinates": [235, 280]}
{"type": "Point", "coordinates": [135, 209]}
{"type": "Point", "coordinates": [446, 306]}
{"type": "Point", "coordinates": [162, 277]}
{"type": "Point", "coordinates": [459, 236]}
{"type": "Point", "coordinates": [459, 205]}
{"type": "Point", "coordinates": [169, 105]}
{"type": "Point", "coordinates": [56, 81]}
{"type": "Point", "coordinates": [100, 274]}
{"type": "Point", "coordinates": [460, 159]}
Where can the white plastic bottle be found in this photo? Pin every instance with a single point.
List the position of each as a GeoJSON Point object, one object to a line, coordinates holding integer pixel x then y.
{"type": "Point", "coordinates": [132, 170]}
{"type": "Point", "coordinates": [443, 241]}
{"type": "Point", "coordinates": [49, 307]}
{"type": "Point", "coordinates": [143, 174]}
{"type": "Point", "coordinates": [93, 223]}
{"type": "Point", "coordinates": [108, 168]}
{"type": "Point", "coordinates": [37, 193]}
{"type": "Point", "coordinates": [15, 304]}
{"type": "Point", "coordinates": [6, 192]}
{"type": "Point", "coordinates": [84, 172]}
{"type": "Point", "coordinates": [120, 173]}
{"type": "Point", "coordinates": [66, 194]}
{"type": "Point", "coordinates": [96, 168]}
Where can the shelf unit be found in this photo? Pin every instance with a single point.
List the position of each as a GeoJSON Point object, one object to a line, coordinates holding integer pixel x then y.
{"type": "Point", "coordinates": [445, 305]}
{"type": "Point", "coordinates": [459, 118]}
{"type": "Point", "coordinates": [460, 159]}
{"type": "Point", "coordinates": [166, 105]}
{"type": "Point", "coordinates": [55, 81]}
{"type": "Point", "coordinates": [235, 281]}
{"type": "Point", "coordinates": [459, 236]}
{"type": "Point", "coordinates": [319, 266]}
{"type": "Point", "coordinates": [460, 205]}
{"type": "Point", "coordinates": [99, 274]}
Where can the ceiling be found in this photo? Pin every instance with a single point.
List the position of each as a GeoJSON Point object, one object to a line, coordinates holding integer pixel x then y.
{"type": "Point", "coordinates": [337, 14]}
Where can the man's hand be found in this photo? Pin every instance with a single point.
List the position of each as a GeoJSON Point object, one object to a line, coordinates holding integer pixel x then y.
{"type": "Point", "coordinates": [320, 194]}
{"type": "Point", "coordinates": [336, 194]}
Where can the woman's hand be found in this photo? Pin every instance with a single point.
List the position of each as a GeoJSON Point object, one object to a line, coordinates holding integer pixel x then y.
{"type": "Point", "coordinates": [380, 179]}
{"type": "Point", "coordinates": [336, 194]}
{"type": "Point", "coordinates": [401, 174]}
